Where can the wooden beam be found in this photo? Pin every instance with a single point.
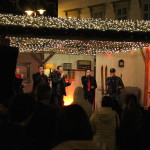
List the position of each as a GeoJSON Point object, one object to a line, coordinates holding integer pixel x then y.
{"type": "Point", "coordinates": [42, 61]}
{"type": "Point", "coordinates": [147, 58]}
{"type": "Point", "coordinates": [143, 55]}
{"type": "Point", "coordinates": [37, 58]}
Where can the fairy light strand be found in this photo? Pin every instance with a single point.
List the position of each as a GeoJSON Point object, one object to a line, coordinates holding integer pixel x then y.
{"type": "Point", "coordinates": [70, 23]}
{"type": "Point", "coordinates": [90, 47]}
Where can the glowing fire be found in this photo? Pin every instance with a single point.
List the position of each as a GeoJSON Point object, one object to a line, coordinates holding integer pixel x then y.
{"type": "Point", "coordinates": [68, 100]}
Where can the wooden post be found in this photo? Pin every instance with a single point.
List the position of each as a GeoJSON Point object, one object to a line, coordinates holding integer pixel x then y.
{"type": "Point", "coordinates": [147, 58]}
{"type": "Point", "coordinates": [102, 80]}
{"type": "Point", "coordinates": [105, 78]}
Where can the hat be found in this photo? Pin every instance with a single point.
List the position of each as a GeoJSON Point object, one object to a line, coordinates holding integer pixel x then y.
{"type": "Point", "coordinates": [112, 70]}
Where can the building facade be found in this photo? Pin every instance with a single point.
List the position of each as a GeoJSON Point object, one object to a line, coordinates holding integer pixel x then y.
{"type": "Point", "coordinates": [110, 9]}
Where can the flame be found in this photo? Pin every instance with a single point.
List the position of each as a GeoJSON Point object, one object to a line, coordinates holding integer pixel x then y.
{"type": "Point", "coordinates": [68, 100]}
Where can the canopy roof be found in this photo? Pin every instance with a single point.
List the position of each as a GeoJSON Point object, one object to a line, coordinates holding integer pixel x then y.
{"type": "Point", "coordinates": [76, 36]}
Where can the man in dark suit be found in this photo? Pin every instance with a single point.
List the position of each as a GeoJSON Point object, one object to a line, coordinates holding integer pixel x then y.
{"type": "Point", "coordinates": [114, 84]}
{"type": "Point", "coordinates": [58, 86]}
{"type": "Point", "coordinates": [39, 78]}
{"type": "Point", "coordinates": [89, 86]}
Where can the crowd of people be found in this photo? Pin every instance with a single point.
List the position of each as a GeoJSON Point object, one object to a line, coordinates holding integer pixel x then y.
{"type": "Point", "coordinates": [39, 121]}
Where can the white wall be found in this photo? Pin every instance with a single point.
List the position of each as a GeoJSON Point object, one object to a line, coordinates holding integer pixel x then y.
{"type": "Point", "coordinates": [133, 74]}
{"type": "Point", "coordinates": [59, 59]}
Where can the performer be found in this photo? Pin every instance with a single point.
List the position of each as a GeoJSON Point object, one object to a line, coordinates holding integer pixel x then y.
{"type": "Point", "coordinates": [114, 84]}
{"type": "Point", "coordinates": [18, 85]}
{"type": "Point", "coordinates": [89, 86]}
{"type": "Point", "coordinates": [58, 86]}
{"type": "Point", "coordinates": [39, 77]}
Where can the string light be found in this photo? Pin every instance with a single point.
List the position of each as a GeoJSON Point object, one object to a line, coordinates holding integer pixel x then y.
{"type": "Point", "coordinates": [90, 47]}
{"type": "Point", "coordinates": [71, 23]}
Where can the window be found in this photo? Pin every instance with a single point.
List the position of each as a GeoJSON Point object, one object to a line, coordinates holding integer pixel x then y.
{"type": "Point", "coordinates": [98, 11]}
{"type": "Point", "coordinates": [121, 14]}
{"type": "Point", "coordinates": [74, 13]}
{"type": "Point", "coordinates": [98, 15]}
{"type": "Point", "coordinates": [121, 9]}
{"type": "Point", "coordinates": [146, 11]}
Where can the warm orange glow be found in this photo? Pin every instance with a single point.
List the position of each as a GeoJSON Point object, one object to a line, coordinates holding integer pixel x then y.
{"type": "Point", "coordinates": [148, 48]}
{"type": "Point", "coordinates": [68, 100]}
{"type": "Point", "coordinates": [69, 80]}
{"type": "Point", "coordinates": [132, 51]}
{"type": "Point", "coordinates": [109, 55]}
{"type": "Point", "coordinates": [50, 66]}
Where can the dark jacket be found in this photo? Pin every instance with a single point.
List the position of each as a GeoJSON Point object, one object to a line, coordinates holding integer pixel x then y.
{"type": "Point", "coordinates": [42, 127]}
{"type": "Point", "coordinates": [84, 80]}
{"type": "Point", "coordinates": [112, 85]}
{"type": "Point", "coordinates": [37, 79]}
{"type": "Point", "coordinates": [58, 84]}
{"type": "Point", "coordinates": [18, 87]}
{"type": "Point", "coordinates": [131, 128]}
{"type": "Point", "coordinates": [14, 137]}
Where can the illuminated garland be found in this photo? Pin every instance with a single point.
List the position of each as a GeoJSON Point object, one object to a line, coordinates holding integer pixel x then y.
{"type": "Point", "coordinates": [70, 23]}
{"type": "Point", "coordinates": [91, 47]}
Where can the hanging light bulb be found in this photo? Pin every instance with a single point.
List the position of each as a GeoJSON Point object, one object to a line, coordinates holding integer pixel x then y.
{"type": "Point", "coordinates": [29, 12]}
{"type": "Point", "coordinates": [41, 11]}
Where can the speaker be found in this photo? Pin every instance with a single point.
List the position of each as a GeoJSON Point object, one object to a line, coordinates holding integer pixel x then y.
{"type": "Point", "coordinates": [8, 60]}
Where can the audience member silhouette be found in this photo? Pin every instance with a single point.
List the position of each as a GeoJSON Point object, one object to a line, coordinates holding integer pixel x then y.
{"type": "Point", "coordinates": [74, 130]}
{"type": "Point", "coordinates": [13, 135]}
{"type": "Point", "coordinates": [73, 124]}
{"type": "Point", "coordinates": [104, 122]}
{"type": "Point", "coordinates": [146, 131]}
{"type": "Point", "coordinates": [42, 127]}
{"type": "Point", "coordinates": [131, 124]}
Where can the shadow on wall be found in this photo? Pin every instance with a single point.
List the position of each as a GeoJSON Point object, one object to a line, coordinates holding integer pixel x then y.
{"type": "Point", "coordinates": [79, 99]}
{"type": "Point", "coordinates": [130, 90]}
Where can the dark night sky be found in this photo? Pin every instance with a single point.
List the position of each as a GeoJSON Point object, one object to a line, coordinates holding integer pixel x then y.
{"type": "Point", "coordinates": [51, 6]}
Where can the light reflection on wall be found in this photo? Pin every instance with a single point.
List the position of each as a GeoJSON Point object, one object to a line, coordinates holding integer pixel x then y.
{"type": "Point", "coordinates": [70, 89]}
{"type": "Point", "coordinates": [68, 100]}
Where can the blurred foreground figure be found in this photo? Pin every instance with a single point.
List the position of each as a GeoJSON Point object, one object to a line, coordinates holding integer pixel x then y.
{"type": "Point", "coordinates": [74, 130]}
{"type": "Point", "coordinates": [13, 135]}
{"type": "Point", "coordinates": [105, 122]}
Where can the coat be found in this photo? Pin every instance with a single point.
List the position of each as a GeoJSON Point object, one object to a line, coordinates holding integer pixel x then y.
{"type": "Point", "coordinates": [42, 126]}
{"type": "Point", "coordinates": [18, 87]}
{"type": "Point", "coordinates": [131, 128]}
{"type": "Point", "coordinates": [58, 84]}
{"type": "Point", "coordinates": [84, 80]}
{"type": "Point", "coordinates": [104, 122]}
{"type": "Point", "coordinates": [111, 88]}
{"type": "Point", "coordinates": [37, 80]}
